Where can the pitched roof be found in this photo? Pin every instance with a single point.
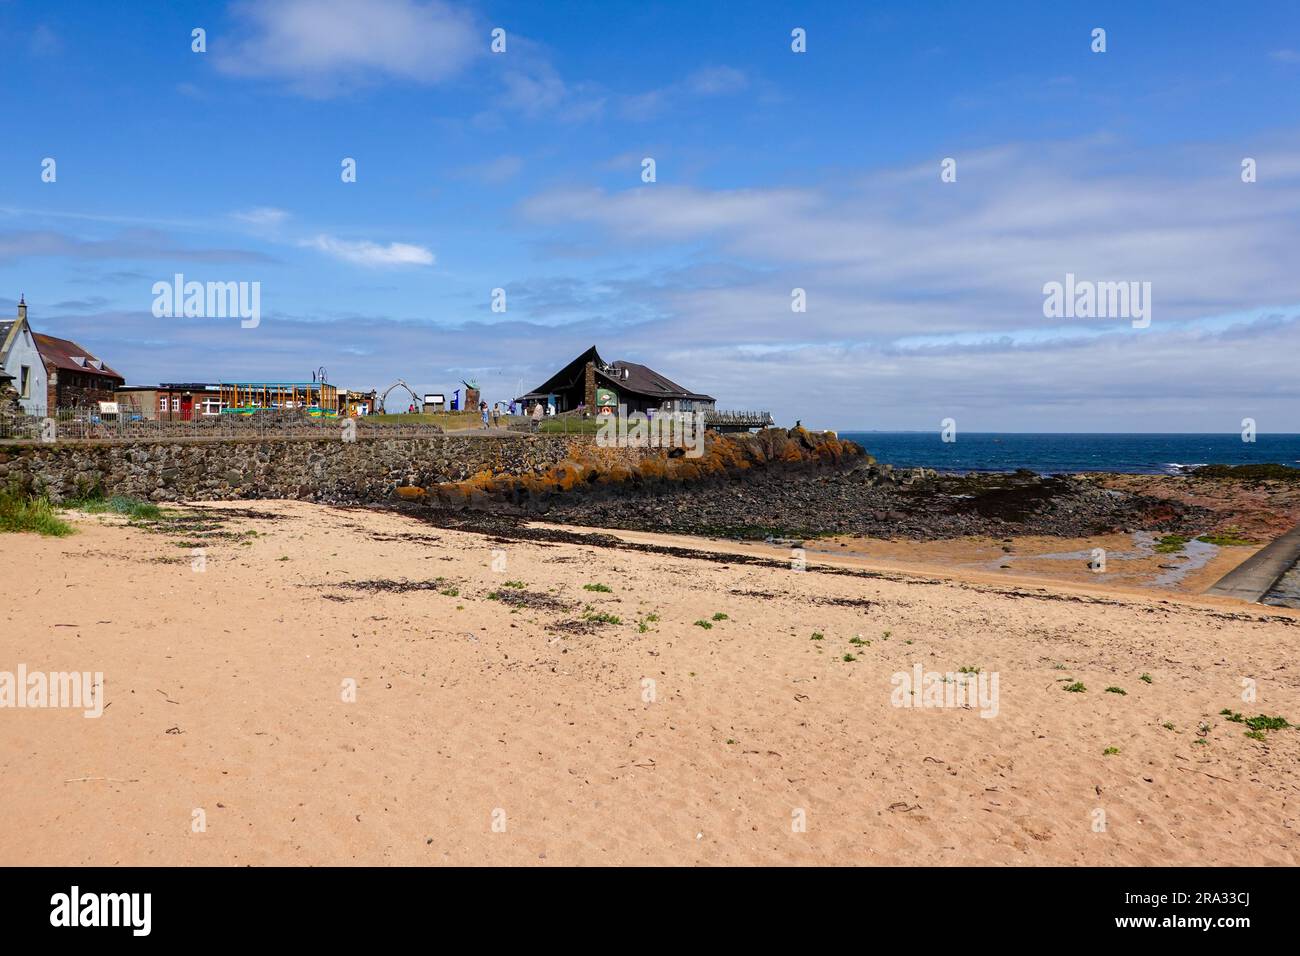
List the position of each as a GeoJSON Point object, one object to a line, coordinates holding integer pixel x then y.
{"type": "Point", "coordinates": [646, 381]}
{"type": "Point", "coordinates": [640, 379]}
{"type": "Point", "coordinates": [10, 329]}
{"type": "Point", "coordinates": [566, 377]}
{"type": "Point", "coordinates": [67, 354]}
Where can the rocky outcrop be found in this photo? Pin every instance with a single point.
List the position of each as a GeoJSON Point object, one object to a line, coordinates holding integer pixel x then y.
{"type": "Point", "coordinates": [593, 472]}
{"type": "Point", "coordinates": [878, 501]}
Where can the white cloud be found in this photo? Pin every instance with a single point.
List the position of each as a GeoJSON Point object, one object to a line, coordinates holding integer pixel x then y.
{"type": "Point", "coordinates": [371, 254]}
{"type": "Point", "coordinates": [705, 82]}
{"type": "Point", "coordinates": [533, 87]}
{"type": "Point", "coordinates": [493, 171]}
{"type": "Point", "coordinates": [898, 252]}
{"type": "Point", "coordinates": [717, 81]}
{"type": "Point", "coordinates": [321, 47]}
{"type": "Point", "coordinates": [261, 216]}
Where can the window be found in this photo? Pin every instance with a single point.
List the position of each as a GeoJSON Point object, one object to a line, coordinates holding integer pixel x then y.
{"type": "Point", "coordinates": [26, 380]}
{"type": "Point", "coordinates": [176, 403]}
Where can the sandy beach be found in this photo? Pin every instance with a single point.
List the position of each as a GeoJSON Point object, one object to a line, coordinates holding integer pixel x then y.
{"type": "Point", "coordinates": [504, 713]}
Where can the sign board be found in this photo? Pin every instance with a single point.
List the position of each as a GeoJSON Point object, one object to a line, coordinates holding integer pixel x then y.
{"type": "Point", "coordinates": [606, 397]}
{"type": "Point", "coordinates": [437, 399]}
{"type": "Point", "coordinates": [108, 408]}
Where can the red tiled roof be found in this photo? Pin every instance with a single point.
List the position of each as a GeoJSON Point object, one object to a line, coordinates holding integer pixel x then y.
{"type": "Point", "coordinates": [64, 353]}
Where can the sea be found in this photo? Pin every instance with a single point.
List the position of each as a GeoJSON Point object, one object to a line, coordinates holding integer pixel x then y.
{"type": "Point", "coordinates": [1055, 453]}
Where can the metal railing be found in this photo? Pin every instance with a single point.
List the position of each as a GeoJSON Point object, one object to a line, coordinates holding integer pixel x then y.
{"type": "Point", "coordinates": [84, 425]}
{"type": "Point", "coordinates": [739, 418]}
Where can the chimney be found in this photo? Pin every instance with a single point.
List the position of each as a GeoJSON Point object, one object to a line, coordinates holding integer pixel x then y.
{"type": "Point", "coordinates": [22, 308]}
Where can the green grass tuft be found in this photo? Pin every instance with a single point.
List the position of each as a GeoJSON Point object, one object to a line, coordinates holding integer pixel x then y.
{"type": "Point", "coordinates": [1227, 538]}
{"type": "Point", "coordinates": [118, 505]}
{"type": "Point", "coordinates": [1260, 722]}
{"type": "Point", "coordinates": [21, 513]}
{"type": "Point", "coordinates": [1171, 544]}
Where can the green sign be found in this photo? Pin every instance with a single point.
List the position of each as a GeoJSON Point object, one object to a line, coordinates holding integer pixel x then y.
{"type": "Point", "coordinates": [606, 397]}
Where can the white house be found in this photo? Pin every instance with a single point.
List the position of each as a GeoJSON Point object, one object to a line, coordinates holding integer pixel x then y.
{"type": "Point", "coordinates": [20, 358]}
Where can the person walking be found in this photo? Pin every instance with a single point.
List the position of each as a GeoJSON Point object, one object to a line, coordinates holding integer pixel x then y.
{"type": "Point", "coordinates": [537, 417]}
{"type": "Point", "coordinates": [483, 411]}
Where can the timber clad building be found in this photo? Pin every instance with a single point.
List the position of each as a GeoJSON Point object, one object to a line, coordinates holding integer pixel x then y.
{"type": "Point", "coordinates": [594, 384]}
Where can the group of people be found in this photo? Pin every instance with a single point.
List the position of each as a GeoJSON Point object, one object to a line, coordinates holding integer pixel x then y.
{"type": "Point", "coordinates": [535, 413]}
{"type": "Point", "coordinates": [492, 416]}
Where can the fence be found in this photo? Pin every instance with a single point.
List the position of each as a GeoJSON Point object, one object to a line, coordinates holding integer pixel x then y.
{"type": "Point", "coordinates": [83, 425]}
{"type": "Point", "coordinates": [725, 419]}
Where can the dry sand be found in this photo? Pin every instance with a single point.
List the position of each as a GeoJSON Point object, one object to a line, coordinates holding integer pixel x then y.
{"type": "Point", "coordinates": [223, 692]}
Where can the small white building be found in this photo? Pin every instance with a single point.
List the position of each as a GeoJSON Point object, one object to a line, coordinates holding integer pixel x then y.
{"type": "Point", "coordinates": [20, 358]}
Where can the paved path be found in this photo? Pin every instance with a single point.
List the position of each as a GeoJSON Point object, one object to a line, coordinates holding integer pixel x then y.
{"type": "Point", "coordinates": [1256, 576]}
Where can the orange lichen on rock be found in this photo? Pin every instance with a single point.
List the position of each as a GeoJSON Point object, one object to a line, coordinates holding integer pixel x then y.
{"type": "Point", "coordinates": [590, 464]}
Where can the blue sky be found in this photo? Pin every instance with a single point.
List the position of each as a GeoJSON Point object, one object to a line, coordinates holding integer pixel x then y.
{"type": "Point", "coordinates": [775, 170]}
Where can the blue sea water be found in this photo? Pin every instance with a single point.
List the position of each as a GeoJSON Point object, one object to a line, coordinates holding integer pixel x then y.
{"type": "Point", "coordinates": [1055, 453]}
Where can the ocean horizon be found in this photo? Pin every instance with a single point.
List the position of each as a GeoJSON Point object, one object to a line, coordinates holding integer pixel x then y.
{"type": "Point", "coordinates": [1058, 452]}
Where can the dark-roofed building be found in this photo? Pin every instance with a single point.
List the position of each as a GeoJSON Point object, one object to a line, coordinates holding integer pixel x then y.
{"type": "Point", "coordinates": [592, 382]}
{"type": "Point", "coordinates": [76, 377]}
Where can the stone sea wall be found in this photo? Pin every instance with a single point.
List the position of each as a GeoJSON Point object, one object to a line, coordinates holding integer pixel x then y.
{"type": "Point", "coordinates": [446, 469]}
{"type": "Point", "coordinates": [317, 469]}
